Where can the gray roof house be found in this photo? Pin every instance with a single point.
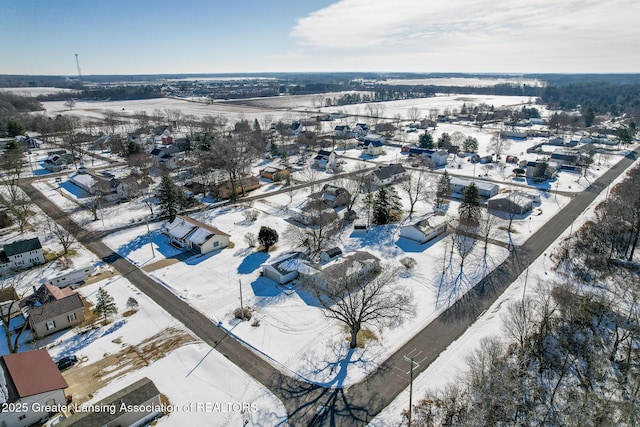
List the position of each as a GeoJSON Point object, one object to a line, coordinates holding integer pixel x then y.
{"type": "Point", "coordinates": [485, 189]}
{"type": "Point", "coordinates": [55, 309]}
{"type": "Point", "coordinates": [21, 254]}
{"type": "Point", "coordinates": [385, 175]}
{"type": "Point", "coordinates": [142, 394]}
{"type": "Point", "coordinates": [342, 271]}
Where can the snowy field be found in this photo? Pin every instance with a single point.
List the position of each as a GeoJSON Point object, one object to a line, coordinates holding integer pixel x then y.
{"type": "Point", "coordinates": [293, 332]}
{"type": "Point", "coordinates": [452, 362]}
{"type": "Point", "coordinates": [198, 373]}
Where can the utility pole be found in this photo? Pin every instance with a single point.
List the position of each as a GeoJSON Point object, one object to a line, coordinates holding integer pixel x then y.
{"type": "Point", "coordinates": [78, 65]}
{"type": "Point", "coordinates": [410, 358]}
{"type": "Point", "coordinates": [153, 254]}
{"type": "Point", "coordinates": [241, 305]}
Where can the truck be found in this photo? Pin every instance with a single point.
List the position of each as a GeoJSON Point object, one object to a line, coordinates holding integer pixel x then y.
{"type": "Point", "coordinates": [71, 277]}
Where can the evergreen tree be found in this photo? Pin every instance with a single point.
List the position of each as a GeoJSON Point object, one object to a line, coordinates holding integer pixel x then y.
{"type": "Point", "coordinates": [470, 144]}
{"type": "Point", "coordinates": [443, 189]}
{"type": "Point", "coordinates": [387, 205]}
{"type": "Point", "coordinates": [426, 140]}
{"type": "Point", "coordinates": [469, 209]}
{"type": "Point", "coordinates": [132, 303]}
{"type": "Point", "coordinates": [540, 173]}
{"type": "Point", "coordinates": [444, 141]}
{"type": "Point", "coordinates": [15, 127]}
{"type": "Point", "coordinates": [171, 198]}
{"type": "Point", "coordinates": [267, 237]}
{"type": "Point", "coordinates": [105, 305]}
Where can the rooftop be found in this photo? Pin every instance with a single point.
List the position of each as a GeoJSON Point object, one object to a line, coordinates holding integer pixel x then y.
{"type": "Point", "coordinates": [33, 372]}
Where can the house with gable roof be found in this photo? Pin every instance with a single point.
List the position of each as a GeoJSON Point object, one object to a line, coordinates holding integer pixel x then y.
{"type": "Point", "coordinates": [426, 229]}
{"type": "Point", "coordinates": [386, 175]}
{"type": "Point", "coordinates": [373, 144]}
{"type": "Point", "coordinates": [51, 309]}
{"type": "Point", "coordinates": [21, 254]}
{"type": "Point", "coordinates": [31, 380]}
{"type": "Point", "coordinates": [142, 395]}
{"type": "Point", "coordinates": [194, 235]}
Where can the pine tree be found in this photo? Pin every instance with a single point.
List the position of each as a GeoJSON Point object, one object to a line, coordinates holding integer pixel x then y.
{"type": "Point", "coordinates": [171, 198]}
{"type": "Point", "coordinates": [267, 237]}
{"type": "Point", "coordinates": [105, 305]}
{"type": "Point", "coordinates": [387, 205]}
{"type": "Point", "coordinates": [132, 303]}
{"type": "Point", "coordinates": [469, 209]}
{"type": "Point", "coordinates": [426, 140]}
{"type": "Point", "coordinates": [443, 189]}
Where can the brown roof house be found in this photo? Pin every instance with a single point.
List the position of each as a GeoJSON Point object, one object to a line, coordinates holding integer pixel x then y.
{"type": "Point", "coordinates": [32, 384]}
{"type": "Point", "coordinates": [51, 309]}
{"type": "Point", "coordinates": [142, 395]}
{"type": "Point", "coordinates": [197, 236]}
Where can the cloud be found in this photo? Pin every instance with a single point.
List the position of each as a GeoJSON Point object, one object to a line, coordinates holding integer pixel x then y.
{"type": "Point", "coordinates": [446, 29]}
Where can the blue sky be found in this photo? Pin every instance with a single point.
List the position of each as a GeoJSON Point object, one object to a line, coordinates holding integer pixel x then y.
{"type": "Point", "coordinates": [199, 36]}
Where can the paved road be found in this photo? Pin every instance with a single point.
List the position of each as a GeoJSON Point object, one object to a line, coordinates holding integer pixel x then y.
{"type": "Point", "coordinates": [361, 402]}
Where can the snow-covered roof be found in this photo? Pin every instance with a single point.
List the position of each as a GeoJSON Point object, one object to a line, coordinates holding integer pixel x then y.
{"type": "Point", "coordinates": [179, 228]}
{"type": "Point", "coordinates": [430, 222]}
{"type": "Point", "coordinates": [200, 236]}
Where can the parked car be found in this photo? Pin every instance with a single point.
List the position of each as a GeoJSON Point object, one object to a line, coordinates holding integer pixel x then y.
{"type": "Point", "coordinates": [66, 362]}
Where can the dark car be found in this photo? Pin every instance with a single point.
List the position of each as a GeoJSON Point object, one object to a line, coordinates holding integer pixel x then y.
{"type": "Point", "coordinates": [66, 362]}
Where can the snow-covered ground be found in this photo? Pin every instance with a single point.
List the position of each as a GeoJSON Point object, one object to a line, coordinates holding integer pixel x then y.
{"type": "Point", "coordinates": [452, 362]}
{"type": "Point", "coordinates": [191, 374]}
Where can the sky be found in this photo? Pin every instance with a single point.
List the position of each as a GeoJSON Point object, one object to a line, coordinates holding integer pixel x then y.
{"type": "Point", "coordinates": [41, 37]}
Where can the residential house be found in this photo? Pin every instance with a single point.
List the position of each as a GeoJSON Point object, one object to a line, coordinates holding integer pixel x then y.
{"type": "Point", "coordinates": [274, 173]}
{"type": "Point", "coordinates": [31, 381]}
{"type": "Point", "coordinates": [57, 161]}
{"type": "Point", "coordinates": [342, 131]}
{"type": "Point", "coordinates": [386, 175]}
{"type": "Point", "coordinates": [330, 254]}
{"type": "Point", "coordinates": [373, 144]}
{"type": "Point", "coordinates": [243, 186]}
{"type": "Point", "coordinates": [332, 196]}
{"type": "Point", "coordinates": [194, 235]}
{"type": "Point", "coordinates": [512, 202]}
{"type": "Point", "coordinates": [361, 130]}
{"type": "Point", "coordinates": [51, 309]}
{"type": "Point", "coordinates": [142, 395]}
{"type": "Point", "coordinates": [513, 134]}
{"type": "Point", "coordinates": [425, 229]}
{"type": "Point", "coordinates": [106, 187]}
{"type": "Point", "coordinates": [341, 272]}
{"type": "Point", "coordinates": [531, 169]}
{"type": "Point", "coordinates": [438, 157]}
{"type": "Point", "coordinates": [485, 189]}
{"type": "Point", "coordinates": [563, 158]}
{"type": "Point", "coordinates": [284, 268]}
{"type": "Point", "coordinates": [21, 254]}
{"type": "Point", "coordinates": [309, 216]}
{"type": "Point", "coordinates": [326, 160]}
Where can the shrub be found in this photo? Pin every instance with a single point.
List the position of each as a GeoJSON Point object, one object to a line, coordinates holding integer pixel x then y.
{"type": "Point", "coordinates": [251, 215]}
{"type": "Point", "coordinates": [408, 263]}
{"type": "Point", "coordinates": [251, 240]}
{"type": "Point", "coordinates": [238, 313]}
{"type": "Point", "coordinates": [267, 237]}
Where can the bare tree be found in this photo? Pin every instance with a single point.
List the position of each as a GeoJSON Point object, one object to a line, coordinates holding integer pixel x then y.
{"type": "Point", "coordinates": [62, 234]}
{"type": "Point", "coordinates": [321, 228]}
{"type": "Point", "coordinates": [418, 187]}
{"type": "Point", "coordinates": [70, 103]}
{"type": "Point", "coordinates": [499, 145]}
{"type": "Point", "coordinates": [413, 114]}
{"type": "Point", "coordinates": [363, 300]}
{"type": "Point", "coordinates": [8, 284]}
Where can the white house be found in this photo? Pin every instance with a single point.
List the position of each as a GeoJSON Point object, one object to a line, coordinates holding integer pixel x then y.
{"type": "Point", "coordinates": [326, 160]}
{"type": "Point", "coordinates": [21, 255]}
{"type": "Point", "coordinates": [31, 381]}
{"type": "Point", "coordinates": [342, 271]}
{"type": "Point", "coordinates": [361, 129]}
{"type": "Point", "coordinates": [373, 144]}
{"type": "Point", "coordinates": [194, 235]}
{"type": "Point", "coordinates": [386, 175]}
{"type": "Point", "coordinates": [425, 229]}
{"type": "Point", "coordinates": [284, 268]}
{"type": "Point", "coordinates": [513, 202]}
{"type": "Point", "coordinates": [485, 189]}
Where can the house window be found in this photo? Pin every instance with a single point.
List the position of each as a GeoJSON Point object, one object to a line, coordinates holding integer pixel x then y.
{"type": "Point", "coordinates": [71, 317]}
{"type": "Point", "coordinates": [22, 417]}
{"type": "Point", "coordinates": [50, 325]}
{"type": "Point", "coordinates": [215, 244]}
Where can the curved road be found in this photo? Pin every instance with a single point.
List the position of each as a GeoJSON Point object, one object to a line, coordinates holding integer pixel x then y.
{"type": "Point", "coordinates": [358, 404]}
